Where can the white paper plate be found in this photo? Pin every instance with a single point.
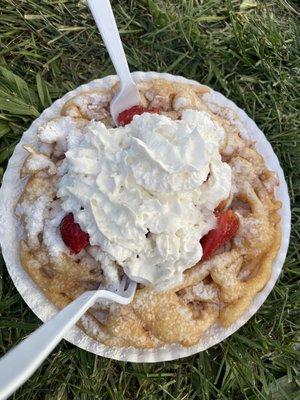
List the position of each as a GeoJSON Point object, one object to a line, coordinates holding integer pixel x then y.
{"type": "Point", "coordinates": [11, 232]}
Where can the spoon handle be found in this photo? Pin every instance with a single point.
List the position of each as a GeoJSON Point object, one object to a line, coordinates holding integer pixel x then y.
{"type": "Point", "coordinates": [105, 21]}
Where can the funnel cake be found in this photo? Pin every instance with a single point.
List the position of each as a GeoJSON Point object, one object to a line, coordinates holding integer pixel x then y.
{"type": "Point", "coordinates": [215, 290]}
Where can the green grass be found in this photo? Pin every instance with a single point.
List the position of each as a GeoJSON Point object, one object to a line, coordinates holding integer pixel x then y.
{"type": "Point", "coordinates": [249, 51]}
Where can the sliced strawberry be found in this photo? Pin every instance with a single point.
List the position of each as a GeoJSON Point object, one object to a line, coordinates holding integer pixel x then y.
{"type": "Point", "coordinates": [227, 227]}
{"type": "Point", "coordinates": [125, 117]}
{"type": "Point", "coordinates": [72, 235]}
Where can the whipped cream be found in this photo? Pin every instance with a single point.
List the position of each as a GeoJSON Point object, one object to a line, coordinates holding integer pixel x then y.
{"type": "Point", "coordinates": [146, 192]}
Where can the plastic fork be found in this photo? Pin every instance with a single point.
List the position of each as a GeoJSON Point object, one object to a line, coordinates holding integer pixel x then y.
{"type": "Point", "coordinates": [128, 95]}
{"type": "Point", "coordinates": [21, 362]}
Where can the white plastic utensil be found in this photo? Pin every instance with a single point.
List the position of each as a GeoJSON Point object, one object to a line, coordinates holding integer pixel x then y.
{"type": "Point", "coordinates": [21, 362]}
{"type": "Point", "coordinates": [128, 95]}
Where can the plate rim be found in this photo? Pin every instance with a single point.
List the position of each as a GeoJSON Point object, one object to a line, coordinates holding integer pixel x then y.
{"type": "Point", "coordinates": [23, 282]}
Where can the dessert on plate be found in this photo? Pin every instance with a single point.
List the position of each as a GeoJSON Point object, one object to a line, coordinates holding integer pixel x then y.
{"type": "Point", "coordinates": [175, 197]}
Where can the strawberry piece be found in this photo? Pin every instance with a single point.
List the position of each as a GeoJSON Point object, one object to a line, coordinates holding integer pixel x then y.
{"type": "Point", "coordinates": [125, 117]}
{"type": "Point", "coordinates": [72, 235]}
{"type": "Point", "coordinates": [227, 227]}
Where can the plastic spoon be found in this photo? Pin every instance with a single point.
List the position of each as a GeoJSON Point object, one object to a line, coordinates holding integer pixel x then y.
{"type": "Point", "coordinates": [128, 95]}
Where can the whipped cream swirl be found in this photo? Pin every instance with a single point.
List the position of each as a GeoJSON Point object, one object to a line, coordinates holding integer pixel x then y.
{"type": "Point", "coordinates": [146, 192]}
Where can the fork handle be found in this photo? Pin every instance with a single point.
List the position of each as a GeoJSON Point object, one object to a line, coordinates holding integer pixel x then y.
{"type": "Point", "coordinates": [21, 362]}
{"type": "Point", "coordinates": [105, 21]}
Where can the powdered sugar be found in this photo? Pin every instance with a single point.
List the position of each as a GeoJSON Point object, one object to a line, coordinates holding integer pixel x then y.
{"type": "Point", "coordinates": [38, 162]}
{"type": "Point", "coordinates": [92, 104]}
{"type": "Point", "coordinates": [92, 327]}
{"type": "Point", "coordinates": [108, 266]}
{"type": "Point", "coordinates": [205, 292]}
{"type": "Point", "coordinates": [64, 132]}
{"type": "Point", "coordinates": [46, 148]}
{"type": "Point", "coordinates": [181, 102]}
{"type": "Point", "coordinates": [213, 102]}
{"type": "Point", "coordinates": [34, 215]}
{"type": "Point", "coordinates": [51, 235]}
